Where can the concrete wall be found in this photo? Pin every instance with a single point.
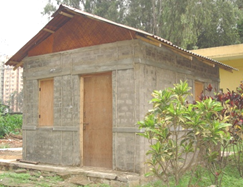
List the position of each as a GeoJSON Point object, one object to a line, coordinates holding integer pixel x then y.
{"type": "Point", "coordinates": [137, 69]}
{"type": "Point", "coordinates": [158, 69]}
{"type": "Point", "coordinates": [60, 144]}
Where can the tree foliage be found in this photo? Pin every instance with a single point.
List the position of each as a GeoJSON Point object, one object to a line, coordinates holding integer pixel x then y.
{"type": "Point", "coordinates": [112, 10]}
{"type": "Point", "coordinates": [189, 24]}
{"type": "Point", "coordinates": [221, 28]}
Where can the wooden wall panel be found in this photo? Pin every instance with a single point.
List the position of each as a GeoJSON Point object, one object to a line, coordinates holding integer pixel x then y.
{"type": "Point", "coordinates": [46, 91]}
{"type": "Point", "coordinates": [45, 47]}
{"type": "Point", "coordinates": [81, 31]}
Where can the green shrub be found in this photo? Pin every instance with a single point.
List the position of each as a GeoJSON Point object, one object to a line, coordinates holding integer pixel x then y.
{"type": "Point", "coordinates": [10, 124]}
{"type": "Point", "coordinates": [173, 152]}
{"type": "Point", "coordinates": [232, 103]}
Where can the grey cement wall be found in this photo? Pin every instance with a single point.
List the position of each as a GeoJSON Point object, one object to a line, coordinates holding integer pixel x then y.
{"type": "Point", "coordinates": [137, 69]}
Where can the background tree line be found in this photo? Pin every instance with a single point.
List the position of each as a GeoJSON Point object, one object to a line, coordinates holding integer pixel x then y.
{"type": "Point", "coordinates": [190, 24]}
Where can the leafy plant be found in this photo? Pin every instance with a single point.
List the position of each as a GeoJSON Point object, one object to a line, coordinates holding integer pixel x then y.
{"type": "Point", "coordinates": [232, 103]}
{"type": "Point", "coordinates": [177, 131]}
{"type": "Point", "coordinates": [163, 124]}
{"type": "Point", "coordinates": [210, 130]}
{"type": "Point", "coordinates": [10, 124]}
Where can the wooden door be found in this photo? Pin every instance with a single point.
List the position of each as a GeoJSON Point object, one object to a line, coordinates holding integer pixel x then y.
{"type": "Point", "coordinates": [46, 102]}
{"type": "Point", "coordinates": [97, 121]}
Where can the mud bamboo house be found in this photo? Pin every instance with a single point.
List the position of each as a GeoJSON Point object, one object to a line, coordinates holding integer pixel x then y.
{"type": "Point", "coordinates": [88, 80]}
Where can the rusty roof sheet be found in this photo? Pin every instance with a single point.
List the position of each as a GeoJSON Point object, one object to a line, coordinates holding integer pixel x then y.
{"type": "Point", "coordinates": [65, 13]}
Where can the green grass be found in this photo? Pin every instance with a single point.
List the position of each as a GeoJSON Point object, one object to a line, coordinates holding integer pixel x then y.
{"type": "Point", "coordinates": [14, 178]}
{"type": "Point", "coordinates": [25, 179]}
{"type": "Point", "coordinates": [231, 178]}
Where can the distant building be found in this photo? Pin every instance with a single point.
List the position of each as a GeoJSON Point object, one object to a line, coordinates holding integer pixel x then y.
{"type": "Point", "coordinates": [11, 85]}
{"type": "Point", "coordinates": [3, 59]}
{"type": "Point", "coordinates": [231, 55]}
{"type": "Point", "coordinates": [1, 79]}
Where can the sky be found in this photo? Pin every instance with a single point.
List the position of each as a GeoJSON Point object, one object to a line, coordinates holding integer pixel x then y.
{"type": "Point", "coordinates": [20, 20]}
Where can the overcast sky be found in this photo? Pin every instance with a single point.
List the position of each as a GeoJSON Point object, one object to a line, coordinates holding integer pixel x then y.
{"type": "Point", "coordinates": [20, 20]}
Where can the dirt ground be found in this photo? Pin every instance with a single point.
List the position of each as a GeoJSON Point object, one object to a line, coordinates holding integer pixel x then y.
{"type": "Point", "coordinates": [10, 141]}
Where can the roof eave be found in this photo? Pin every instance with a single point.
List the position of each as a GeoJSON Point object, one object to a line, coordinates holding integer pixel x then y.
{"type": "Point", "coordinates": [188, 54]}
{"type": "Point", "coordinates": [69, 12]}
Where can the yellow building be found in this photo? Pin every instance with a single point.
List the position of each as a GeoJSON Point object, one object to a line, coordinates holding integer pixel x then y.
{"type": "Point", "coordinates": [231, 55]}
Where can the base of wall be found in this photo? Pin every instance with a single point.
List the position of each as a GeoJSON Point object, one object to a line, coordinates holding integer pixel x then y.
{"type": "Point", "coordinates": [80, 176]}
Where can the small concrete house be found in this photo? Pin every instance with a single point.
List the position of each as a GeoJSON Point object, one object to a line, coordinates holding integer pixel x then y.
{"type": "Point", "coordinates": [88, 80]}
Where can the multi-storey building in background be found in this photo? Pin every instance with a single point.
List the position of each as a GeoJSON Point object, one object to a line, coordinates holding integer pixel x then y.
{"type": "Point", "coordinates": [1, 79]}
{"type": "Point", "coordinates": [11, 85]}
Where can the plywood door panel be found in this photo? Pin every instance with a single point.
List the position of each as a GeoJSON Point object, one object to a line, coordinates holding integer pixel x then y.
{"type": "Point", "coordinates": [46, 103]}
{"type": "Point", "coordinates": [198, 90]}
{"type": "Point", "coordinates": [97, 124]}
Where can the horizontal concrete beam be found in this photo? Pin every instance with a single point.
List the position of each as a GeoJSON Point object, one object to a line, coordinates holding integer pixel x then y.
{"type": "Point", "coordinates": [127, 130]}
{"type": "Point", "coordinates": [29, 128]}
{"type": "Point", "coordinates": [59, 128]}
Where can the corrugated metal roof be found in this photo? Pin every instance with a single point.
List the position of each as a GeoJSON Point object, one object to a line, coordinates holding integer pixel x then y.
{"type": "Point", "coordinates": [65, 13]}
{"type": "Point", "coordinates": [222, 65]}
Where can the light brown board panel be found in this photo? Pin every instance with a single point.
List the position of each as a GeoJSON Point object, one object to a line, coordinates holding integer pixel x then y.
{"type": "Point", "coordinates": [97, 124]}
{"type": "Point", "coordinates": [46, 102]}
{"type": "Point", "coordinates": [198, 90]}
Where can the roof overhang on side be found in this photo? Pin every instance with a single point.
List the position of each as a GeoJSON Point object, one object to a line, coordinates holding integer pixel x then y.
{"type": "Point", "coordinates": [66, 13]}
{"type": "Point", "coordinates": [155, 40]}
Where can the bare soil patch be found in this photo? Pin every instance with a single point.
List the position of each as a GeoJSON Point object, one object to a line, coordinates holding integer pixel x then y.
{"type": "Point", "coordinates": [8, 142]}
{"type": "Point", "coordinates": [11, 141]}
